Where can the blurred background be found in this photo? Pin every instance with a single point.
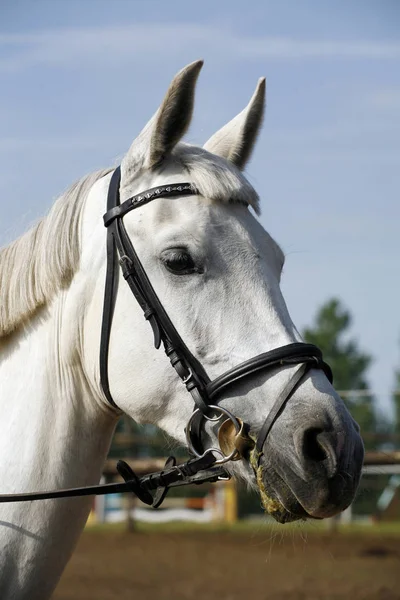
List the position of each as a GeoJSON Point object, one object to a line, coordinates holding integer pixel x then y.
{"type": "Point", "coordinates": [80, 78]}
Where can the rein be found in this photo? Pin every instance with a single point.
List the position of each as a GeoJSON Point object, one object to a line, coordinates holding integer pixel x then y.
{"type": "Point", "coordinates": [233, 434]}
{"type": "Point", "coordinates": [150, 489]}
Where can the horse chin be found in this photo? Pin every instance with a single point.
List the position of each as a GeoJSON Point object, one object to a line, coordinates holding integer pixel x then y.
{"type": "Point", "coordinates": [285, 508]}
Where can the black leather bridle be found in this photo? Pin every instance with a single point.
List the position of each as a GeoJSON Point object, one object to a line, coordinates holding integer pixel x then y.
{"type": "Point", "coordinates": [205, 392]}
{"type": "Point", "coordinates": [203, 466]}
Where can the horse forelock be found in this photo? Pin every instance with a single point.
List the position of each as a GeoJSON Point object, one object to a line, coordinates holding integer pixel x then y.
{"type": "Point", "coordinates": [216, 178]}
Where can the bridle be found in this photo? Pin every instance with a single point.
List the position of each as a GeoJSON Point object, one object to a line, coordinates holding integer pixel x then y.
{"type": "Point", "coordinates": [203, 465]}
{"type": "Point", "coordinates": [205, 392]}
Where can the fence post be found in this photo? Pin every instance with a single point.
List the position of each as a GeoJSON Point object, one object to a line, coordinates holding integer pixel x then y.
{"type": "Point", "coordinates": [130, 502]}
{"type": "Point", "coordinates": [230, 502]}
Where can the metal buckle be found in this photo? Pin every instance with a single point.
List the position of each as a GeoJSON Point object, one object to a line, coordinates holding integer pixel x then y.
{"type": "Point", "coordinates": [222, 412]}
{"type": "Point", "coordinates": [186, 379]}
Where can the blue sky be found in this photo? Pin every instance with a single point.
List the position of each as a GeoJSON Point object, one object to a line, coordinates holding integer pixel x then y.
{"type": "Point", "coordinates": [79, 79]}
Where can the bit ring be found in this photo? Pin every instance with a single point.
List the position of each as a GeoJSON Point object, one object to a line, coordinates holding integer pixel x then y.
{"type": "Point", "coordinates": [222, 412]}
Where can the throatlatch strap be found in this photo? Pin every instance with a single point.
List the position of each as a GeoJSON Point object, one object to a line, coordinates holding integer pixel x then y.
{"type": "Point", "coordinates": [112, 273]}
{"type": "Point", "coordinates": [119, 244]}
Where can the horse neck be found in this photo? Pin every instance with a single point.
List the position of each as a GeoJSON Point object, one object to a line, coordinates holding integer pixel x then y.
{"type": "Point", "coordinates": [52, 435]}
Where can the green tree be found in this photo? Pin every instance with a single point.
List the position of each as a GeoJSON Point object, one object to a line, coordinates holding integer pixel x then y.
{"type": "Point", "coordinates": [349, 364]}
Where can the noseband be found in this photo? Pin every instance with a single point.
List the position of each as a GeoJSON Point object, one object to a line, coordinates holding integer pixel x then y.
{"type": "Point", "coordinates": [203, 466]}
{"type": "Point", "coordinates": [205, 392]}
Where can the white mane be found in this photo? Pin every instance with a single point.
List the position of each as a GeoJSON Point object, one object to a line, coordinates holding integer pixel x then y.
{"type": "Point", "coordinates": [43, 260]}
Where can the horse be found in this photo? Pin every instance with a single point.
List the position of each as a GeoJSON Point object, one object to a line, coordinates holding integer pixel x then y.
{"type": "Point", "coordinates": [216, 272]}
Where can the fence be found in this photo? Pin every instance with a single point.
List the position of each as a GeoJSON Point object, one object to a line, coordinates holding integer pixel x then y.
{"type": "Point", "coordinates": [221, 501]}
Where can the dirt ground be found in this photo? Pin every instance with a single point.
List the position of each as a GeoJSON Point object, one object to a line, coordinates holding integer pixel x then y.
{"type": "Point", "coordinates": [260, 564]}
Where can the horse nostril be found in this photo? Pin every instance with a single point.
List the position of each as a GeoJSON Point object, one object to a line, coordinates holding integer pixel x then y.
{"type": "Point", "coordinates": [319, 447]}
{"type": "Point", "coordinates": [312, 449]}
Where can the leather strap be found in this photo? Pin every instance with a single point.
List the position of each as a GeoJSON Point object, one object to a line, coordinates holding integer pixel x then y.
{"type": "Point", "coordinates": [198, 470]}
{"type": "Point", "coordinates": [173, 189]}
{"type": "Point", "coordinates": [279, 405]}
{"type": "Point", "coordinates": [111, 283]}
{"type": "Point", "coordinates": [291, 354]}
{"type": "Point", "coordinates": [186, 365]}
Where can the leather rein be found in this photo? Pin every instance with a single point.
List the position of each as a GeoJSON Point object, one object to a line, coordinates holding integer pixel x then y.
{"type": "Point", "coordinates": [203, 466]}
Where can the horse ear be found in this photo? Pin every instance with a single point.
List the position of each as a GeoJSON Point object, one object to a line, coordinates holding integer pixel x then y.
{"type": "Point", "coordinates": [169, 123]}
{"type": "Point", "coordinates": [236, 140]}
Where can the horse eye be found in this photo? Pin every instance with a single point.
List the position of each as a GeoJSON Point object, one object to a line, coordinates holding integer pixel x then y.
{"type": "Point", "coordinates": [178, 261]}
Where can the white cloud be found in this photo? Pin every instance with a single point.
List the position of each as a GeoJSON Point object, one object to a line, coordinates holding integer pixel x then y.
{"type": "Point", "coordinates": [119, 45]}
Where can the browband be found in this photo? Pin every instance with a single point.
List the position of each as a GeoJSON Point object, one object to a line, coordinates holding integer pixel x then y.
{"type": "Point", "coordinates": [174, 189]}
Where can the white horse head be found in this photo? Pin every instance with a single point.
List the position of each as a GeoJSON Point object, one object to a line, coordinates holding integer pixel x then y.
{"type": "Point", "coordinates": [217, 273]}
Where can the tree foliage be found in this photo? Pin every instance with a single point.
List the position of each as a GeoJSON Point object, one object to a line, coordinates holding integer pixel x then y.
{"type": "Point", "coordinates": [349, 364]}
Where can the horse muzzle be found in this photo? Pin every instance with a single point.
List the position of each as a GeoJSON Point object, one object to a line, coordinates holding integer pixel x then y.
{"type": "Point", "coordinates": [316, 477]}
